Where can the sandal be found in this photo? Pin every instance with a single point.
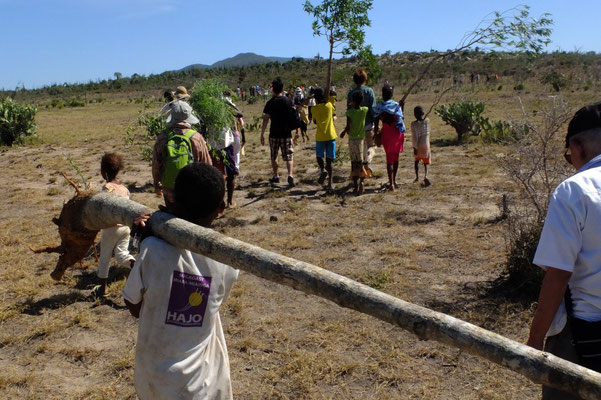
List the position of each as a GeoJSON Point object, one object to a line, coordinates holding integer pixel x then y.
{"type": "Point", "coordinates": [97, 292]}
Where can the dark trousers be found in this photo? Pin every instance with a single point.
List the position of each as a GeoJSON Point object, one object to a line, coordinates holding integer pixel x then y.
{"type": "Point", "coordinates": [561, 346]}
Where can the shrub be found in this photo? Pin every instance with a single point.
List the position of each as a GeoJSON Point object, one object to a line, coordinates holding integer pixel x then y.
{"type": "Point", "coordinates": [536, 166]}
{"type": "Point", "coordinates": [17, 122]}
{"type": "Point", "coordinates": [154, 124]}
{"type": "Point", "coordinates": [519, 87]}
{"type": "Point", "coordinates": [206, 99]}
{"type": "Point", "coordinates": [465, 116]}
{"type": "Point", "coordinates": [74, 103]}
{"type": "Point", "coordinates": [501, 132]}
{"type": "Point", "coordinates": [252, 99]}
{"type": "Point", "coordinates": [522, 241]}
{"type": "Point", "coordinates": [554, 79]}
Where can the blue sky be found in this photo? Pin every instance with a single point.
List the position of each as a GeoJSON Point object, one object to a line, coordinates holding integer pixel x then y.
{"type": "Point", "coordinates": [56, 41]}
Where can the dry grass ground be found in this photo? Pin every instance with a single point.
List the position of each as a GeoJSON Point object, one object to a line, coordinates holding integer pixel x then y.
{"type": "Point", "coordinates": [433, 246]}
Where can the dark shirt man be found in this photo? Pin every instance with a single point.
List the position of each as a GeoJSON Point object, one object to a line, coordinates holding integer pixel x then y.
{"type": "Point", "coordinates": [277, 110]}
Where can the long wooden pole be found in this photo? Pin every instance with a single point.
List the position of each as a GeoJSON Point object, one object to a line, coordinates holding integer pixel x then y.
{"type": "Point", "coordinates": [103, 210]}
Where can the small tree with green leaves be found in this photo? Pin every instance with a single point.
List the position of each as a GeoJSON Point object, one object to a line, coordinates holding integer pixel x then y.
{"type": "Point", "coordinates": [465, 116]}
{"type": "Point", "coordinates": [206, 98]}
{"type": "Point", "coordinates": [342, 23]}
{"type": "Point", "coordinates": [17, 122]}
{"type": "Point", "coordinates": [369, 62]}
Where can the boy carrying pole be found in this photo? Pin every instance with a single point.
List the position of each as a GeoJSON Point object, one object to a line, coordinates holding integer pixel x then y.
{"type": "Point", "coordinates": [181, 351]}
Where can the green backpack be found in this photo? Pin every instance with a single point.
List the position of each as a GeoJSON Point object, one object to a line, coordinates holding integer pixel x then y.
{"type": "Point", "coordinates": [177, 155]}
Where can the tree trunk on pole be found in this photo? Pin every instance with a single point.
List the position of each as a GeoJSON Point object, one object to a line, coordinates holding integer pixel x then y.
{"type": "Point", "coordinates": [95, 212]}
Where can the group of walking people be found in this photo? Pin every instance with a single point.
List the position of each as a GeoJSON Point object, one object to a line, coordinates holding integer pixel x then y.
{"type": "Point", "coordinates": [368, 124]}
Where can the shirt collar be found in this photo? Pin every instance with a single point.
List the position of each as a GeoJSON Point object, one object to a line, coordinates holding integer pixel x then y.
{"type": "Point", "coordinates": [594, 162]}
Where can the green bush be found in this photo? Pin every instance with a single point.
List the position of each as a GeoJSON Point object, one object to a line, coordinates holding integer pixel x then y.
{"type": "Point", "coordinates": [519, 87]}
{"type": "Point", "coordinates": [252, 99]}
{"type": "Point", "coordinates": [17, 122]}
{"type": "Point", "coordinates": [154, 124]}
{"type": "Point", "coordinates": [74, 103]}
{"type": "Point", "coordinates": [501, 132]}
{"type": "Point", "coordinates": [465, 116]}
{"type": "Point", "coordinates": [554, 79]}
{"type": "Point", "coordinates": [206, 98]}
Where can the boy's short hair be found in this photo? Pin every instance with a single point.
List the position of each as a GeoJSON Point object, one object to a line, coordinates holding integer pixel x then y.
{"type": "Point", "coordinates": [357, 97]}
{"type": "Point", "coordinates": [418, 110]}
{"type": "Point", "coordinates": [387, 92]}
{"type": "Point", "coordinates": [110, 165]}
{"type": "Point", "coordinates": [360, 76]}
{"type": "Point", "coordinates": [278, 85]}
{"type": "Point", "coordinates": [199, 190]}
{"type": "Point", "coordinates": [319, 95]}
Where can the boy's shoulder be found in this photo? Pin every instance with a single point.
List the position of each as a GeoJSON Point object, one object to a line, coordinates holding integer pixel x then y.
{"type": "Point", "coordinates": [360, 110]}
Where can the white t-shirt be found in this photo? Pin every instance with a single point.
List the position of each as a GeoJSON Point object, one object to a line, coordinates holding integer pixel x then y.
{"type": "Point", "coordinates": [181, 351]}
{"type": "Point", "coordinates": [571, 241]}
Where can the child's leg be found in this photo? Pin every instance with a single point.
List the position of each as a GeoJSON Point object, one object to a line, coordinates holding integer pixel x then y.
{"type": "Point", "coordinates": [416, 166]}
{"type": "Point", "coordinates": [361, 188]}
{"type": "Point", "coordinates": [395, 168]}
{"type": "Point", "coordinates": [330, 155]}
{"type": "Point", "coordinates": [320, 164]}
{"type": "Point", "coordinates": [426, 180]}
{"type": "Point", "coordinates": [389, 169]}
{"type": "Point", "coordinates": [108, 239]}
{"type": "Point", "coordinates": [122, 255]}
{"type": "Point", "coordinates": [355, 183]}
{"type": "Point", "coordinates": [229, 184]}
{"type": "Point", "coordinates": [329, 171]}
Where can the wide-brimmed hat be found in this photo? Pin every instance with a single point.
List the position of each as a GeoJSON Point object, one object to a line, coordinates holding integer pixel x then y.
{"type": "Point", "coordinates": [588, 117]}
{"type": "Point", "coordinates": [181, 93]}
{"type": "Point", "coordinates": [180, 111]}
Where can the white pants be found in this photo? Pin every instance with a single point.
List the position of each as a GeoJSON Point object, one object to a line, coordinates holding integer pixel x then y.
{"type": "Point", "coordinates": [115, 239]}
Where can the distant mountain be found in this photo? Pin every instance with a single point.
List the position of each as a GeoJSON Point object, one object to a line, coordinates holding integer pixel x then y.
{"type": "Point", "coordinates": [240, 60]}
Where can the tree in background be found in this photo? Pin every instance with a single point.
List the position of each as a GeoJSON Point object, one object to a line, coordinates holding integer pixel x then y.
{"type": "Point", "coordinates": [118, 75]}
{"type": "Point", "coordinates": [342, 23]}
{"type": "Point", "coordinates": [369, 62]}
{"type": "Point", "coordinates": [513, 30]}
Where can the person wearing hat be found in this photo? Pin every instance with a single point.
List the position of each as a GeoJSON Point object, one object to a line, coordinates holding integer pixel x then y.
{"type": "Point", "coordinates": [570, 251]}
{"type": "Point", "coordinates": [181, 93]}
{"type": "Point", "coordinates": [180, 121]}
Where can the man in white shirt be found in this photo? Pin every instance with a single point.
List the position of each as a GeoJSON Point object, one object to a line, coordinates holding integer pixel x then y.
{"type": "Point", "coordinates": [570, 249]}
{"type": "Point", "coordinates": [181, 351]}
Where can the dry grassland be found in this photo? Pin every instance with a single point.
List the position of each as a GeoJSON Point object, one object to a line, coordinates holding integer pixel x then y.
{"type": "Point", "coordinates": [433, 246]}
